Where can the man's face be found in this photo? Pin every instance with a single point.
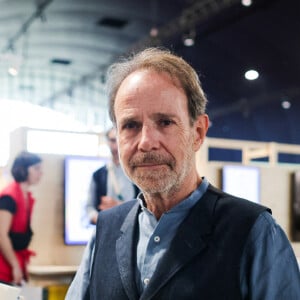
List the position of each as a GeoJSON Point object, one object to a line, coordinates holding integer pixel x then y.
{"type": "Point", "coordinates": [112, 143]}
{"type": "Point", "coordinates": [157, 143]}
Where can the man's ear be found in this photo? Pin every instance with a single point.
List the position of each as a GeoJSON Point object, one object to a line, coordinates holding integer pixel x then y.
{"type": "Point", "coordinates": [200, 128]}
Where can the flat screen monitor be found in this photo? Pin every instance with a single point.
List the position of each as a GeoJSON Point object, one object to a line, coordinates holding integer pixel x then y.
{"type": "Point", "coordinates": [78, 172]}
{"type": "Point", "coordinates": [242, 181]}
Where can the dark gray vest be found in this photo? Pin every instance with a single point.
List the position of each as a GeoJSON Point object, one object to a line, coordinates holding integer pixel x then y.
{"type": "Point", "coordinates": [203, 261]}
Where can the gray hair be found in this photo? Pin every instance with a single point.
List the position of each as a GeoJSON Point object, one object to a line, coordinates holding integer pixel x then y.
{"type": "Point", "coordinates": [161, 61]}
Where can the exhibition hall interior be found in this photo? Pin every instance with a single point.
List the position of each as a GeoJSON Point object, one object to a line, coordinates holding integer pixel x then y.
{"type": "Point", "coordinates": [53, 62]}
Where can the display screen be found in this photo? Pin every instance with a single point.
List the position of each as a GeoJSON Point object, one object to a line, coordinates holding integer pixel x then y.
{"type": "Point", "coordinates": [242, 181]}
{"type": "Point", "coordinates": [77, 175]}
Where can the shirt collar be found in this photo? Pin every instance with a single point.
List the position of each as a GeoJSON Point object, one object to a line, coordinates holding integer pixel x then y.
{"type": "Point", "coordinates": [186, 203]}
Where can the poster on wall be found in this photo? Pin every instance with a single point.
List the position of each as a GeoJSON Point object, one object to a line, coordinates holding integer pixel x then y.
{"type": "Point", "coordinates": [77, 175]}
{"type": "Point", "coordinates": [242, 181]}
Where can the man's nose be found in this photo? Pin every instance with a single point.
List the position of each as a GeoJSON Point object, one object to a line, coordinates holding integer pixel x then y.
{"type": "Point", "coordinates": [149, 139]}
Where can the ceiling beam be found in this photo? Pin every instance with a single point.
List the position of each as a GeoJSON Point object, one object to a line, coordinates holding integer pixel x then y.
{"type": "Point", "coordinates": [68, 89]}
{"type": "Point", "coordinates": [23, 29]}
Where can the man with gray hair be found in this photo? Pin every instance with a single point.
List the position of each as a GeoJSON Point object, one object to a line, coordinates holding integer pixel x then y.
{"type": "Point", "coordinates": [183, 238]}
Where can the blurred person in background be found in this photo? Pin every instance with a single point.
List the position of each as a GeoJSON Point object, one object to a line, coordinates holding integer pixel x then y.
{"type": "Point", "coordinates": [16, 204]}
{"type": "Point", "coordinates": [109, 185]}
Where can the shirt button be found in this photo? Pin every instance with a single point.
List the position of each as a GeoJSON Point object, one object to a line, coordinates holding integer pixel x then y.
{"type": "Point", "coordinates": [157, 239]}
{"type": "Point", "coordinates": [146, 281]}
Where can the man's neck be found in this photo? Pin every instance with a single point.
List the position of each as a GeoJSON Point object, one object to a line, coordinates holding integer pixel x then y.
{"type": "Point", "coordinates": [160, 203]}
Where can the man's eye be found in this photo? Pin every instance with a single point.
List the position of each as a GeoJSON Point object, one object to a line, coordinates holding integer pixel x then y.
{"type": "Point", "coordinates": [131, 125]}
{"type": "Point", "coordinates": [165, 122]}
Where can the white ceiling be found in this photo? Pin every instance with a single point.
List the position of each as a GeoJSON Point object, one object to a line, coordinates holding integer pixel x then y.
{"type": "Point", "coordinates": [61, 51]}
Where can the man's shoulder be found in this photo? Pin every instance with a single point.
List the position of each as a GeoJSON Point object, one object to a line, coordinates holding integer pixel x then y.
{"type": "Point", "coordinates": [114, 217]}
{"type": "Point", "coordinates": [100, 172]}
{"type": "Point", "coordinates": [236, 204]}
{"type": "Point", "coordinates": [122, 209]}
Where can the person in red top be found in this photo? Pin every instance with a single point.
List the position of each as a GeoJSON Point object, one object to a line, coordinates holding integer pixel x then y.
{"type": "Point", "coordinates": [16, 203]}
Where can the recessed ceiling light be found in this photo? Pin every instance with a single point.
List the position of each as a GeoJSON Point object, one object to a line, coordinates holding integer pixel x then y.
{"type": "Point", "coordinates": [189, 38]}
{"type": "Point", "coordinates": [12, 71]}
{"type": "Point", "coordinates": [286, 104]}
{"type": "Point", "coordinates": [188, 42]}
{"type": "Point", "coordinates": [154, 32]}
{"type": "Point", "coordinates": [246, 2]}
{"type": "Point", "coordinates": [251, 75]}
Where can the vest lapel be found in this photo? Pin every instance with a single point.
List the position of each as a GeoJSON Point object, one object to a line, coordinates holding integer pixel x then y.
{"type": "Point", "coordinates": [189, 241]}
{"type": "Point", "coordinates": [126, 257]}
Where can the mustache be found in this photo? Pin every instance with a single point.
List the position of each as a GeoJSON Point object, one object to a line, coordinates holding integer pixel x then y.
{"type": "Point", "coordinates": [150, 158]}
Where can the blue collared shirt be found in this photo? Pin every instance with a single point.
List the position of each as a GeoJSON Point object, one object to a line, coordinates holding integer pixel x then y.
{"type": "Point", "coordinates": [155, 236]}
{"type": "Point", "coordinates": [269, 269]}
